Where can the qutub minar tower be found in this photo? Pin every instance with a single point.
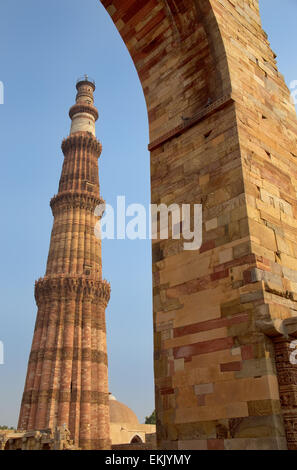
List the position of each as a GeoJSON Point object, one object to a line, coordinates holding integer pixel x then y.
{"type": "Point", "coordinates": [67, 377]}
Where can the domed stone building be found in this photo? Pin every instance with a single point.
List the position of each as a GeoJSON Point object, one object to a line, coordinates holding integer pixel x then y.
{"type": "Point", "coordinates": [125, 427]}
{"type": "Point", "coordinates": [120, 412]}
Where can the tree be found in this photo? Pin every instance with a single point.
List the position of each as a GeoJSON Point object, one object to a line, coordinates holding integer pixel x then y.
{"type": "Point", "coordinates": [151, 419]}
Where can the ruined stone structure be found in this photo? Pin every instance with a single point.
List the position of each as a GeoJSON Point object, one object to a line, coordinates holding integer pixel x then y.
{"type": "Point", "coordinates": [67, 382]}
{"type": "Point", "coordinates": [223, 134]}
{"type": "Point", "coordinates": [47, 439]}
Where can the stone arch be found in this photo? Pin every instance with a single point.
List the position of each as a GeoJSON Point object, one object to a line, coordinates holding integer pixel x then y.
{"type": "Point", "coordinates": [223, 134]}
{"type": "Point", "coordinates": [182, 32]}
{"type": "Point", "coordinates": [136, 440]}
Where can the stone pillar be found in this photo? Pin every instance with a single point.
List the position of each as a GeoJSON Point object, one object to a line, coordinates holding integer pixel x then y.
{"type": "Point", "coordinates": [223, 135]}
{"type": "Point", "coordinates": [287, 379]}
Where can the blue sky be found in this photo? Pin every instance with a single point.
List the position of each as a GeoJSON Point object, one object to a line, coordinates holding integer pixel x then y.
{"type": "Point", "coordinates": [44, 47]}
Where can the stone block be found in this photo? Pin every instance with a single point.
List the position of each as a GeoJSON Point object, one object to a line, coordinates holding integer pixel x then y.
{"type": "Point", "coordinates": [204, 389]}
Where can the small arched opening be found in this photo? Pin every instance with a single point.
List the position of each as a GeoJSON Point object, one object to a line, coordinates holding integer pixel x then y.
{"type": "Point", "coordinates": [46, 447]}
{"type": "Point", "coordinates": [136, 440]}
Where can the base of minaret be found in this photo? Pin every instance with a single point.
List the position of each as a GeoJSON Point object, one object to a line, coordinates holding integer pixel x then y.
{"type": "Point", "coordinates": [67, 378]}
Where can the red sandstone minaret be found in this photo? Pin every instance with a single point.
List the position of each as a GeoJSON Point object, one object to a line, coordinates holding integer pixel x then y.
{"type": "Point", "coordinates": [67, 380]}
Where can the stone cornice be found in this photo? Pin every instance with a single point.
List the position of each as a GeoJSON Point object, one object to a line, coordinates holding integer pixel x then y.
{"type": "Point", "coordinates": [65, 287]}
{"type": "Point", "coordinates": [83, 108]}
{"type": "Point", "coordinates": [191, 121]}
{"type": "Point", "coordinates": [84, 140]}
{"type": "Point", "coordinates": [80, 200]}
{"type": "Point", "coordinates": [275, 327]}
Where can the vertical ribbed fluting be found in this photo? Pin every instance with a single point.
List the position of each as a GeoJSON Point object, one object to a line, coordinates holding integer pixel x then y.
{"type": "Point", "coordinates": [67, 354]}
{"type": "Point", "coordinates": [38, 357]}
{"type": "Point", "coordinates": [86, 377]}
{"type": "Point", "coordinates": [41, 394]}
{"type": "Point", "coordinates": [51, 350]}
{"type": "Point", "coordinates": [95, 348]}
{"type": "Point", "coordinates": [72, 168]}
{"type": "Point", "coordinates": [52, 405]}
{"type": "Point", "coordinates": [60, 242]}
{"type": "Point", "coordinates": [93, 260]}
{"type": "Point", "coordinates": [59, 363]}
{"type": "Point", "coordinates": [103, 408]}
{"type": "Point", "coordinates": [69, 169]}
{"type": "Point", "coordinates": [57, 242]}
{"type": "Point", "coordinates": [29, 385]}
{"type": "Point", "coordinates": [83, 159]}
{"type": "Point", "coordinates": [66, 173]}
{"type": "Point", "coordinates": [64, 238]}
{"type": "Point", "coordinates": [76, 219]}
{"type": "Point", "coordinates": [70, 155]}
{"type": "Point", "coordinates": [81, 242]}
{"type": "Point", "coordinates": [34, 358]}
{"type": "Point", "coordinates": [66, 254]}
{"type": "Point", "coordinates": [96, 248]}
{"type": "Point", "coordinates": [74, 241]}
{"type": "Point", "coordinates": [88, 259]}
{"type": "Point", "coordinates": [49, 264]}
{"type": "Point", "coordinates": [87, 167]}
{"type": "Point", "coordinates": [77, 168]}
{"type": "Point", "coordinates": [63, 242]}
{"type": "Point", "coordinates": [57, 224]}
{"type": "Point", "coordinates": [52, 257]}
{"type": "Point", "coordinates": [74, 418]}
{"type": "Point", "coordinates": [82, 178]}
{"type": "Point", "coordinates": [45, 391]}
{"type": "Point", "coordinates": [91, 236]}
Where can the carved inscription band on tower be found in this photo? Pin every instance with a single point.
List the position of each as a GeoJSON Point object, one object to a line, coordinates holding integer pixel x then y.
{"type": "Point", "coordinates": [67, 377]}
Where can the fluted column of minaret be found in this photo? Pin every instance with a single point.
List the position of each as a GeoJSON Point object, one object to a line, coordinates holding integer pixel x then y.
{"type": "Point", "coordinates": [67, 378]}
{"type": "Point", "coordinates": [73, 248]}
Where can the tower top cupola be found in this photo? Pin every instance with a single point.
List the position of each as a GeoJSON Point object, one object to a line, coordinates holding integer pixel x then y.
{"type": "Point", "coordinates": [84, 114]}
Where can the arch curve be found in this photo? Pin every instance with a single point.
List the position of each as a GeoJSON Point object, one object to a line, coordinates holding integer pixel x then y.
{"type": "Point", "coordinates": [136, 440]}
{"type": "Point", "coordinates": [178, 53]}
